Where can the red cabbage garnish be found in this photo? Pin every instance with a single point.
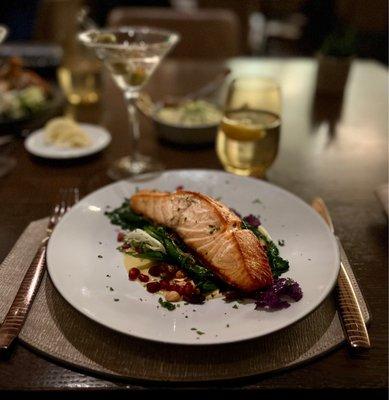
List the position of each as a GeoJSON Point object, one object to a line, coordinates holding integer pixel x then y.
{"type": "Point", "coordinates": [278, 295]}
{"type": "Point", "coordinates": [252, 220]}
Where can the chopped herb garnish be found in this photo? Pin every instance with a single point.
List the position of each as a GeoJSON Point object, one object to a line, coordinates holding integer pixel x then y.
{"type": "Point", "coordinates": [218, 198]}
{"type": "Point", "coordinates": [111, 289]}
{"type": "Point", "coordinates": [200, 333]}
{"type": "Point", "coordinates": [235, 306]}
{"type": "Point", "coordinates": [257, 201]}
{"type": "Point", "coordinates": [115, 299]}
{"type": "Point", "coordinates": [193, 329]}
{"type": "Point", "coordinates": [100, 242]}
{"type": "Point", "coordinates": [228, 325]}
{"type": "Point", "coordinates": [166, 304]}
{"type": "Point", "coordinates": [108, 275]}
{"type": "Point", "coordinates": [281, 242]}
{"type": "Point", "coordinates": [213, 229]}
{"type": "Point", "coordinates": [100, 256]}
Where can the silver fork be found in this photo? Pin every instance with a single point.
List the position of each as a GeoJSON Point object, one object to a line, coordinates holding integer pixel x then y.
{"type": "Point", "coordinates": [16, 316]}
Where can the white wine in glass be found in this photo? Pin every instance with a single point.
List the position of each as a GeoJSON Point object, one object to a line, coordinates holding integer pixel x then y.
{"type": "Point", "coordinates": [248, 135]}
{"type": "Point", "coordinates": [131, 54]}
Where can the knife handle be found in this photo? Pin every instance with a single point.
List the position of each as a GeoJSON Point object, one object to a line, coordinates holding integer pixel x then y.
{"type": "Point", "coordinates": [14, 320]}
{"type": "Point", "coordinates": [352, 319]}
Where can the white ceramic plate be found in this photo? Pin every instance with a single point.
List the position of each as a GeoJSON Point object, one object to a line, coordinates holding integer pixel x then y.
{"type": "Point", "coordinates": [100, 140]}
{"type": "Point", "coordinates": [91, 283]}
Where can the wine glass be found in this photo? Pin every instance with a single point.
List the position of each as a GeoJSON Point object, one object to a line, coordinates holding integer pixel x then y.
{"type": "Point", "coordinates": [248, 135]}
{"type": "Point", "coordinates": [131, 54]}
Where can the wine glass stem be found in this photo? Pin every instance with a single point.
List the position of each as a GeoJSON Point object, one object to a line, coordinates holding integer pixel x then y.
{"type": "Point", "coordinates": [134, 126]}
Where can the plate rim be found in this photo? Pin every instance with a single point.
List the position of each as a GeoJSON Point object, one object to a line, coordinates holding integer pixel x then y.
{"type": "Point", "coordinates": [38, 132]}
{"type": "Point", "coordinates": [326, 293]}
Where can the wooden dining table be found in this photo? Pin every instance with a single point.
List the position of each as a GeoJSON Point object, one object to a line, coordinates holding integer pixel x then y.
{"type": "Point", "coordinates": [333, 145]}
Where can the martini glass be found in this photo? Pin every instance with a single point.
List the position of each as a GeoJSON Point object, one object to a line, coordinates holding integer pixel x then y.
{"type": "Point", "coordinates": [131, 54]}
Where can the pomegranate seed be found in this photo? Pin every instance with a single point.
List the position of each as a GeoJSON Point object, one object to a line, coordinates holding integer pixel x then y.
{"type": "Point", "coordinates": [176, 288]}
{"type": "Point", "coordinates": [172, 269]}
{"type": "Point", "coordinates": [153, 287]}
{"type": "Point", "coordinates": [155, 270]}
{"type": "Point", "coordinates": [120, 237]}
{"type": "Point", "coordinates": [167, 275]}
{"type": "Point", "coordinates": [133, 274]}
{"type": "Point", "coordinates": [188, 289]}
{"type": "Point", "coordinates": [143, 278]}
{"type": "Point", "coordinates": [164, 284]}
{"type": "Point", "coordinates": [163, 267]}
{"type": "Point", "coordinates": [167, 271]}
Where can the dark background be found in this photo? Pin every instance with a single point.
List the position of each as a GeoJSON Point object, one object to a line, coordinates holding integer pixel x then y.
{"type": "Point", "coordinates": [311, 20]}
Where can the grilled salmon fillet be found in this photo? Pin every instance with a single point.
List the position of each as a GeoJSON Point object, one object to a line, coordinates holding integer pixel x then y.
{"type": "Point", "coordinates": [213, 233]}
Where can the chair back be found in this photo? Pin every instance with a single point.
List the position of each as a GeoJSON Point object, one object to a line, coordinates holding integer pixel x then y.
{"type": "Point", "coordinates": [205, 34]}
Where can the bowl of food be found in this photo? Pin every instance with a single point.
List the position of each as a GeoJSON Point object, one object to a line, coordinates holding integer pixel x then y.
{"type": "Point", "coordinates": [26, 99]}
{"type": "Point", "coordinates": [189, 122]}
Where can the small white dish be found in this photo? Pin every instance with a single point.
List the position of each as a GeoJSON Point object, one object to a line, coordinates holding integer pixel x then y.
{"type": "Point", "coordinates": [89, 273]}
{"type": "Point", "coordinates": [36, 145]}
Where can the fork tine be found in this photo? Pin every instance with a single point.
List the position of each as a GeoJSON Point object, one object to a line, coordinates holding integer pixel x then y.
{"type": "Point", "coordinates": [63, 202]}
{"type": "Point", "coordinates": [68, 197]}
{"type": "Point", "coordinates": [54, 215]}
{"type": "Point", "coordinates": [76, 195]}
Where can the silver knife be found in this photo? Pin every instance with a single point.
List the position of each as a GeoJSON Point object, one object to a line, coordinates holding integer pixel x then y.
{"type": "Point", "coordinates": [354, 325]}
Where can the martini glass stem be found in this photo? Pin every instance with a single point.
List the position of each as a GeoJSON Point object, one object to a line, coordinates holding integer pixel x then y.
{"type": "Point", "coordinates": [134, 125]}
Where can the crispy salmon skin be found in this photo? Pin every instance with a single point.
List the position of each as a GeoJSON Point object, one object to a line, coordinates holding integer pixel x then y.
{"type": "Point", "coordinates": [213, 233]}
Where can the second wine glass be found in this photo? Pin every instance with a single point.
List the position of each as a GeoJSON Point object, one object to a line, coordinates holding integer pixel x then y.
{"type": "Point", "coordinates": [131, 54]}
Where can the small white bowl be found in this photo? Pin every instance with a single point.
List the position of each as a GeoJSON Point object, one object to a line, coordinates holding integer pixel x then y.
{"type": "Point", "coordinates": [184, 135]}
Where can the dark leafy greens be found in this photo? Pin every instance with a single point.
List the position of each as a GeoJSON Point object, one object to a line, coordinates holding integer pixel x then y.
{"type": "Point", "coordinates": [277, 264]}
{"type": "Point", "coordinates": [126, 218]}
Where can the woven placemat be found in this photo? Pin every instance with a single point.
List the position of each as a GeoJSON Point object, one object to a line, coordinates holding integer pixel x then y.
{"type": "Point", "coordinates": [56, 329]}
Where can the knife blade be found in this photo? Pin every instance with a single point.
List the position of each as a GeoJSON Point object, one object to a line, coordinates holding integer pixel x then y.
{"type": "Point", "coordinates": [354, 325]}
